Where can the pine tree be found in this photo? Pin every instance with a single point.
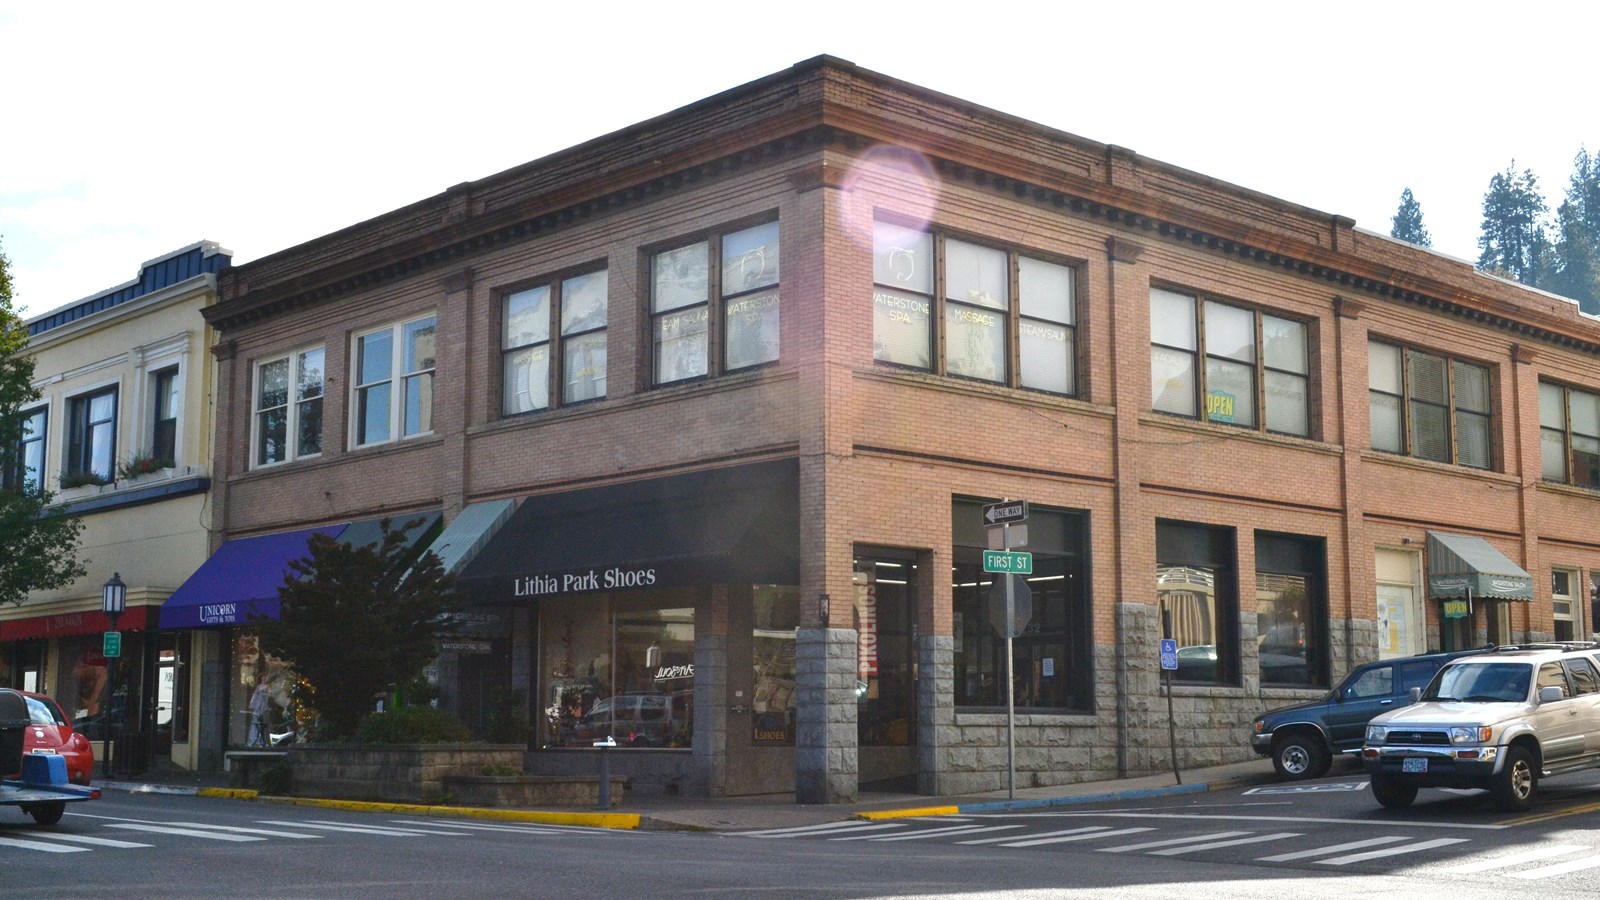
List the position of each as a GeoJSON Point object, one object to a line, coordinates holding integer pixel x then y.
{"type": "Point", "coordinates": [38, 545]}
{"type": "Point", "coordinates": [1407, 224]}
{"type": "Point", "coordinates": [1513, 241]}
{"type": "Point", "coordinates": [1577, 247]}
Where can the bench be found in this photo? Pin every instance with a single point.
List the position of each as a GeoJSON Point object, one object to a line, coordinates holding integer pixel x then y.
{"type": "Point", "coordinates": [247, 761]}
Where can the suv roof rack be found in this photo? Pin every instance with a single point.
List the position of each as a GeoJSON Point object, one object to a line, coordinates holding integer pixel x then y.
{"type": "Point", "coordinates": [1545, 645]}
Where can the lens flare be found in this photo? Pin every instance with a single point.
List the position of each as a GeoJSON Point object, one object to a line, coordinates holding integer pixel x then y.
{"type": "Point", "coordinates": [896, 179]}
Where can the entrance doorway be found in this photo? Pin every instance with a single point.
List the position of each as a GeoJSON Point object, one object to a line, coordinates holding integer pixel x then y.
{"type": "Point", "coordinates": [885, 620]}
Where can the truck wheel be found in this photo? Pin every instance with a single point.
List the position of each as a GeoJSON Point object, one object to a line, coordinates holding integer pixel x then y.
{"type": "Point", "coordinates": [1514, 787]}
{"type": "Point", "coordinates": [46, 813]}
{"type": "Point", "coordinates": [1393, 793]}
{"type": "Point", "coordinates": [1299, 756]}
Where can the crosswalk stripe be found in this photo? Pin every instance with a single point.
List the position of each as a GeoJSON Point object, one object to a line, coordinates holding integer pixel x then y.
{"type": "Point", "coordinates": [1039, 842]}
{"type": "Point", "coordinates": [944, 832]}
{"type": "Point", "coordinates": [1044, 834]}
{"type": "Point", "coordinates": [351, 829]}
{"type": "Point", "coordinates": [448, 832]}
{"type": "Point", "coordinates": [1515, 859]}
{"type": "Point", "coordinates": [187, 832]}
{"type": "Point", "coordinates": [235, 829]}
{"type": "Point", "coordinates": [1392, 851]}
{"type": "Point", "coordinates": [1217, 845]}
{"type": "Point", "coordinates": [825, 827]}
{"type": "Point", "coordinates": [1576, 865]}
{"type": "Point", "coordinates": [521, 829]}
{"type": "Point", "coordinates": [858, 836]}
{"type": "Point", "coordinates": [1129, 848]}
{"type": "Point", "coordinates": [40, 846]}
{"type": "Point", "coordinates": [95, 841]}
{"type": "Point", "coordinates": [1336, 848]}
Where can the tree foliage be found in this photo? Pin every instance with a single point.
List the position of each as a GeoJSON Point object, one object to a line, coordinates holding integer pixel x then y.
{"type": "Point", "coordinates": [38, 543]}
{"type": "Point", "coordinates": [357, 621]}
{"type": "Point", "coordinates": [1577, 247]}
{"type": "Point", "coordinates": [1407, 224]}
{"type": "Point", "coordinates": [1513, 241]}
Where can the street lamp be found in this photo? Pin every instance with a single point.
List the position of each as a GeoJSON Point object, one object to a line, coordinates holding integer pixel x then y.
{"type": "Point", "coordinates": [113, 602]}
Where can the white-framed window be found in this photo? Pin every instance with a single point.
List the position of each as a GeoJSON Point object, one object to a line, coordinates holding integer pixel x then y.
{"type": "Point", "coordinates": [1564, 603]}
{"type": "Point", "coordinates": [24, 470]}
{"type": "Point", "coordinates": [714, 305]}
{"type": "Point", "coordinates": [1401, 619]}
{"type": "Point", "coordinates": [287, 421]}
{"type": "Point", "coordinates": [392, 386]}
{"type": "Point", "coordinates": [166, 404]}
{"type": "Point", "coordinates": [1428, 405]}
{"type": "Point", "coordinates": [91, 438]}
{"type": "Point", "coordinates": [1007, 318]}
{"type": "Point", "coordinates": [573, 310]}
{"type": "Point", "coordinates": [1228, 364]}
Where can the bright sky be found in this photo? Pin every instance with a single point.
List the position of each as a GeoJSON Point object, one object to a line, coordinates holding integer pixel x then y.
{"type": "Point", "coordinates": [132, 129]}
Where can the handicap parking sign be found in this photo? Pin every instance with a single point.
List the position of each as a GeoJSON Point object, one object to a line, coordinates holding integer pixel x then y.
{"type": "Point", "coordinates": [1169, 654]}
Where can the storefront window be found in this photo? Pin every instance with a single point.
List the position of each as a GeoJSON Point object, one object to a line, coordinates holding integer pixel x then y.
{"type": "Point", "coordinates": [261, 709]}
{"type": "Point", "coordinates": [1051, 659]}
{"type": "Point", "coordinates": [618, 666]}
{"type": "Point", "coordinates": [1291, 611]}
{"type": "Point", "coordinates": [886, 671]}
{"type": "Point", "coordinates": [772, 645]}
{"type": "Point", "coordinates": [1198, 599]}
{"type": "Point", "coordinates": [83, 689]}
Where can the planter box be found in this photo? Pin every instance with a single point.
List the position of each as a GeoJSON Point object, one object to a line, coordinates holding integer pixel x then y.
{"type": "Point", "coordinates": [394, 773]}
{"type": "Point", "coordinates": [495, 791]}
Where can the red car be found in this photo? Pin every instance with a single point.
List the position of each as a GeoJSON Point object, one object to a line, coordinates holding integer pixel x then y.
{"type": "Point", "coordinates": [49, 731]}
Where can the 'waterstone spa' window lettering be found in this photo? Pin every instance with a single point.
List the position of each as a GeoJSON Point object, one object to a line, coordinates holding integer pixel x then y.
{"type": "Point", "coordinates": [288, 413]}
{"type": "Point", "coordinates": [1008, 319]}
{"type": "Point", "coordinates": [1227, 364]}
{"type": "Point", "coordinates": [574, 310]}
{"type": "Point", "coordinates": [719, 292]}
{"type": "Point", "coordinates": [1428, 406]}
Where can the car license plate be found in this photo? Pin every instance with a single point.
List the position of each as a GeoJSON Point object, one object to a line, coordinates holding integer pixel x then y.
{"type": "Point", "coordinates": [1414, 764]}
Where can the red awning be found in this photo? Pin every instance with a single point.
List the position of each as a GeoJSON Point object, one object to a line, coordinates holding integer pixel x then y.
{"type": "Point", "coordinates": [136, 618]}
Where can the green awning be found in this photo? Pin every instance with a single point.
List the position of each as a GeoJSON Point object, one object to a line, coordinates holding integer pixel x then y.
{"type": "Point", "coordinates": [1461, 566]}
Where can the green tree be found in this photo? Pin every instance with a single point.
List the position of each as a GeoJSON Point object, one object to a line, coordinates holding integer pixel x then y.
{"type": "Point", "coordinates": [1513, 241]}
{"type": "Point", "coordinates": [1577, 247]}
{"type": "Point", "coordinates": [38, 543]}
{"type": "Point", "coordinates": [1407, 224]}
{"type": "Point", "coordinates": [355, 622]}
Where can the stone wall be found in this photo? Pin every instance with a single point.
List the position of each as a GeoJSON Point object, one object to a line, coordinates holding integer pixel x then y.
{"type": "Point", "coordinates": [397, 773]}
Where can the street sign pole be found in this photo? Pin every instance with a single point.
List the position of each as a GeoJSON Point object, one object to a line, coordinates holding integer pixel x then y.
{"type": "Point", "coordinates": [1011, 690]}
{"type": "Point", "coordinates": [1166, 672]}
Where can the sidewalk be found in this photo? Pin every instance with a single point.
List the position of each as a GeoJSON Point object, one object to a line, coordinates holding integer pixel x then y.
{"type": "Point", "coordinates": [756, 813]}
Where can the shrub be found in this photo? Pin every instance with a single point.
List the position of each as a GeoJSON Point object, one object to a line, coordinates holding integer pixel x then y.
{"type": "Point", "coordinates": [412, 725]}
{"type": "Point", "coordinates": [277, 780]}
{"type": "Point", "coordinates": [508, 717]}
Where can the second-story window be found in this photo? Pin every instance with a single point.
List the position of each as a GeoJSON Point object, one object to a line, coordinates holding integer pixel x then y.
{"type": "Point", "coordinates": [574, 310]}
{"type": "Point", "coordinates": [1569, 435]}
{"type": "Point", "coordinates": [715, 295]}
{"type": "Point", "coordinates": [1228, 364]}
{"type": "Point", "coordinates": [91, 437]}
{"type": "Point", "coordinates": [393, 393]}
{"type": "Point", "coordinates": [288, 407]}
{"type": "Point", "coordinates": [1428, 406]}
{"type": "Point", "coordinates": [164, 416]}
{"type": "Point", "coordinates": [25, 471]}
{"type": "Point", "coordinates": [1007, 318]}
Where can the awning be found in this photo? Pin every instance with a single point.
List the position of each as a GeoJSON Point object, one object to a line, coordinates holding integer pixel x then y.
{"type": "Point", "coordinates": [738, 525]}
{"type": "Point", "coordinates": [134, 618]}
{"type": "Point", "coordinates": [1461, 566]}
{"type": "Point", "coordinates": [242, 578]}
{"type": "Point", "coordinates": [469, 532]}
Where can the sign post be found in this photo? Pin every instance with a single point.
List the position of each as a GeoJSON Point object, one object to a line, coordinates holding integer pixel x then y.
{"type": "Point", "coordinates": [1169, 664]}
{"type": "Point", "coordinates": [1009, 566]}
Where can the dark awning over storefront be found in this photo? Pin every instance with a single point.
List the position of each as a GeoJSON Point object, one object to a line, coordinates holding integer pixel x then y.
{"type": "Point", "coordinates": [738, 525]}
{"type": "Point", "coordinates": [242, 578]}
{"type": "Point", "coordinates": [1461, 566]}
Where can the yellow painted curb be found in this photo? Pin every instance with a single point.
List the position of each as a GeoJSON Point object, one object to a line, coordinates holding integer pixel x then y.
{"type": "Point", "coordinates": [228, 793]}
{"type": "Point", "coordinates": [909, 813]}
{"type": "Point", "coordinates": [589, 819]}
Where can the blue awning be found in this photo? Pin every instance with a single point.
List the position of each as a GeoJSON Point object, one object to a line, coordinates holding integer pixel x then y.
{"type": "Point", "coordinates": [239, 580]}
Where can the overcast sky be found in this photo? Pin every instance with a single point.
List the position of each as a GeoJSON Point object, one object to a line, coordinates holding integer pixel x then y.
{"type": "Point", "coordinates": [131, 129]}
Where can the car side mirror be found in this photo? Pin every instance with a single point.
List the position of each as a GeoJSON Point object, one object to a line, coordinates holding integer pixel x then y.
{"type": "Point", "coordinates": [1415, 694]}
{"type": "Point", "coordinates": [1551, 694]}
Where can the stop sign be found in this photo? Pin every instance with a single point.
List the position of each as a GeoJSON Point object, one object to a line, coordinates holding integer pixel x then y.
{"type": "Point", "coordinates": [1021, 604]}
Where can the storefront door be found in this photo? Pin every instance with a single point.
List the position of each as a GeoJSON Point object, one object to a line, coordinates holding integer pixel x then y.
{"type": "Point", "coordinates": [886, 669]}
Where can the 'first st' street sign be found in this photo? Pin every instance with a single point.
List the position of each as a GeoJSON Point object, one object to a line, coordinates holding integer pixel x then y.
{"type": "Point", "coordinates": [1007, 511]}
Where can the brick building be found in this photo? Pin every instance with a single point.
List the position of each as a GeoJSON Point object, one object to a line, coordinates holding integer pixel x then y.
{"type": "Point", "coordinates": [712, 406]}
